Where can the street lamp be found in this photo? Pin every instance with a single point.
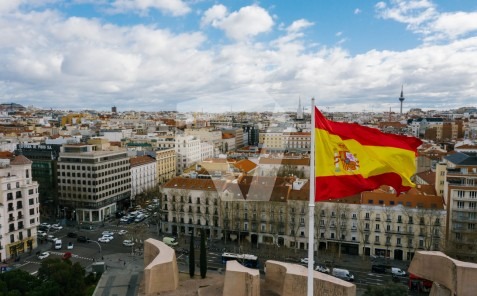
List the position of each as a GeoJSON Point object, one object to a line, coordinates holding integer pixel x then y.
{"type": "Point", "coordinates": [99, 245]}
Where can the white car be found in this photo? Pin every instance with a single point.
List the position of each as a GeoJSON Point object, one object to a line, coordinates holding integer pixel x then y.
{"type": "Point", "coordinates": [104, 239]}
{"type": "Point", "coordinates": [70, 246]}
{"type": "Point", "coordinates": [322, 269]}
{"type": "Point", "coordinates": [304, 260]}
{"type": "Point", "coordinates": [110, 233]}
{"type": "Point", "coordinates": [51, 238]}
{"type": "Point", "coordinates": [57, 226]}
{"type": "Point", "coordinates": [122, 232]}
{"type": "Point", "coordinates": [43, 255]}
{"type": "Point", "coordinates": [128, 243]}
{"type": "Point", "coordinates": [44, 224]}
{"type": "Point", "coordinates": [110, 237]}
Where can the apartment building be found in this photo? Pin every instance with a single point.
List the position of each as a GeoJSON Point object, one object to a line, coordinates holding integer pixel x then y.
{"type": "Point", "coordinates": [19, 206]}
{"type": "Point", "coordinates": [188, 150]}
{"type": "Point", "coordinates": [460, 193]}
{"type": "Point", "coordinates": [93, 184]}
{"type": "Point", "coordinates": [143, 174]}
{"type": "Point", "coordinates": [272, 141]}
{"type": "Point", "coordinates": [191, 204]}
{"type": "Point", "coordinates": [297, 142]}
{"type": "Point", "coordinates": [166, 164]}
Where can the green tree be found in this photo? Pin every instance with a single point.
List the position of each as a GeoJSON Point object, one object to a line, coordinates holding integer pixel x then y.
{"type": "Point", "coordinates": [203, 255]}
{"type": "Point", "coordinates": [69, 277]}
{"type": "Point", "coordinates": [191, 256]}
{"type": "Point", "coordinates": [389, 289]}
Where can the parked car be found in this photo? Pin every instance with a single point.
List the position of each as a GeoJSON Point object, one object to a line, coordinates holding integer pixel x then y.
{"type": "Point", "coordinates": [57, 226]}
{"type": "Point", "coordinates": [322, 269]}
{"type": "Point", "coordinates": [67, 255]}
{"type": "Point", "coordinates": [104, 239]}
{"type": "Point", "coordinates": [122, 232]}
{"type": "Point", "coordinates": [82, 239]}
{"type": "Point", "coordinates": [44, 224]}
{"type": "Point", "coordinates": [72, 234]}
{"type": "Point", "coordinates": [43, 255]}
{"type": "Point", "coordinates": [128, 243]}
{"type": "Point", "coordinates": [110, 237]}
{"type": "Point", "coordinates": [51, 238]}
{"type": "Point", "coordinates": [378, 268]}
{"type": "Point", "coordinates": [107, 233]}
{"type": "Point", "coordinates": [70, 246]}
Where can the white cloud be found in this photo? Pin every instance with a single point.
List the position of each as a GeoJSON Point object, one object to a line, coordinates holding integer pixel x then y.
{"type": "Point", "coordinates": [239, 25]}
{"type": "Point", "coordinates": [173, 7]}
{"type": "Point", "coordinates": [9, 5]}
{"type": "Point", "coordinates": [48, 60]}
{"type": "Point", "coordinates": [213, 15]}
{"type": "Point", "coordinates": [357, 11]}
{"type": "Point", "coordinates": [422, 17]}
{"type": "Point", "coordinates": [298, 25]}
{"type": "Point", "coordinates": [456, 24]}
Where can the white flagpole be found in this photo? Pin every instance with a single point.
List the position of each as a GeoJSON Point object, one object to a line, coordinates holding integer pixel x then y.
{"type": "Point", "coordinates": [311, 218]}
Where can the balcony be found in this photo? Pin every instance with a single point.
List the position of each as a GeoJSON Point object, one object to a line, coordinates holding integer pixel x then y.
{"type": "Point", "coordinates": [10, 219]}
{"type": "Point", "coordinates": [377, 243]}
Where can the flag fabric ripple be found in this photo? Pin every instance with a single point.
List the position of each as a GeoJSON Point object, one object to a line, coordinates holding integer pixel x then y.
{"type": "Point", "coordinates": [350, 158]}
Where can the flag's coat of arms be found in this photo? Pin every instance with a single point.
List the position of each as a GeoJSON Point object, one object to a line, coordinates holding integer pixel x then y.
{"type": "Point", "coordinates": [345, 160]}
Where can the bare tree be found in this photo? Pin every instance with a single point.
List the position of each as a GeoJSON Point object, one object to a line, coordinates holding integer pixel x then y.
{"type": "Point", "coordinates": [364, 225]}
{"type": "Point", "coordinates": [340, 219]}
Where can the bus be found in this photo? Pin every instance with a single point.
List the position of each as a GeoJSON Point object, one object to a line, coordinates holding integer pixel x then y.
{"type": "Point", "coordinates": [246, 260]}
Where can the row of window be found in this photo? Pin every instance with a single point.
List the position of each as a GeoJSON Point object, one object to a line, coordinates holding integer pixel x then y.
{"type": "Point", "coordinates": [95, 168]}
{"type": "Point", "coordinates": [95, 182]}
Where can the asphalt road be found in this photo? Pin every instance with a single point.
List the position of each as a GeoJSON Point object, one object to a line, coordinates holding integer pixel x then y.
{"type": "Point", "coordinates": [87, 253]}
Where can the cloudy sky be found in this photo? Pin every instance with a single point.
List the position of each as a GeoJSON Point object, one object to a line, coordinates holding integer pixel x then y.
{"type": "Point", "coordinates": [206, 55]}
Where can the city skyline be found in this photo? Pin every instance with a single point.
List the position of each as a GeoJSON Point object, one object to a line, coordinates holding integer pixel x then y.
{"type": "Point", "coordinates": [221, 56]}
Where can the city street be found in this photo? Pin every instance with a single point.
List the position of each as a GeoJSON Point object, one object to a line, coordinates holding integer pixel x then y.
{"type": "Point", "coordinates": [87, 253]}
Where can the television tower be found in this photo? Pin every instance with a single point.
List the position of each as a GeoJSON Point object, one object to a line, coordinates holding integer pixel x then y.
{"type": "Point", "coordinates": [401, 98]}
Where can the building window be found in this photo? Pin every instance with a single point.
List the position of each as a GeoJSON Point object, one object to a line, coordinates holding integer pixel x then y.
{"type": "Point", "coordinates": [460, 204]}
{"type": "Point", "coordinates": [460, 193]}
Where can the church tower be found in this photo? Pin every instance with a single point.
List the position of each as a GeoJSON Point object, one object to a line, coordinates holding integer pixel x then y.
{"type": "Point", "coordinates": [299, 112]}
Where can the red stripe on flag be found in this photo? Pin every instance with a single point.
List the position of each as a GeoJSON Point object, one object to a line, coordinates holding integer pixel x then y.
{"type": "Point", "coordinates": [333, 187]}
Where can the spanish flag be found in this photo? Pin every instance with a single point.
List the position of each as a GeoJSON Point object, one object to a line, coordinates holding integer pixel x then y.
{"type": "Point", "coordinates": [350, 158]}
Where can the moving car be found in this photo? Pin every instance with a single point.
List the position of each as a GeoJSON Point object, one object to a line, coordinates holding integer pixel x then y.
{"type": "Point", "coordinates": [43, 255]}
{"type": "Point", "coordinates": [128, 243]}
{"type": "Point", "coordinates": [70, 246]}
{"type": "Point", "coordinates": [58, 244]}
{"type": "Point", "coordinates": [170, 241]}
{"type": "Point", "coordinates": [343, 274]}
{"type": "Point", "coordinates": [304, 260]}
{"type": "Point", "coordinates": [72, 234]}
{"type": "Point", "coordinates": [322, 269]}
{"type": "Point", "coordinates": [110, 233]}
{"type": "Point", "coordinates": [104, 239]}
{"type": "Point", "coordinates": [378, 268]}
{"type": "Point", "coordinates": [122, 232]}
{"type": "Point", "coordinates": [397, 271]}
{"type": "Point", "coordinates": [67, 255]}
{"type": "Point", "coordinates": [82, 239]}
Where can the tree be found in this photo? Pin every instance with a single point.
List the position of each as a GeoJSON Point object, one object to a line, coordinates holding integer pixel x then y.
{"type": "Point", "coordinates": [191, 256]}
{"type": "Point", "coordinates": [203, 255]}
{"type": "Point", "coordinates": [69, 277]}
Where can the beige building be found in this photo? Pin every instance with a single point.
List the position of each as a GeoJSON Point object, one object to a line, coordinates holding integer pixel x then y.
{"type": "Point", "coordinates": [19, 206]}
{"type": "Point", "coordinates": [93, 184]}
{"type": "Point", "coordinates": [191, 204]}
{"type": "Point", "coordinates": [272, 141]}
{"type": "Point", "coordinates": [166, 164]}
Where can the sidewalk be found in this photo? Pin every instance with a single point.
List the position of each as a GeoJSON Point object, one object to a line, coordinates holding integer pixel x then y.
{"type": "Point", "coordinates": [123, 275]}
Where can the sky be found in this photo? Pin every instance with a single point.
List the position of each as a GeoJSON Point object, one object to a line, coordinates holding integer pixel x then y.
{"type": "Point", "coordinates": [233, 55]}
